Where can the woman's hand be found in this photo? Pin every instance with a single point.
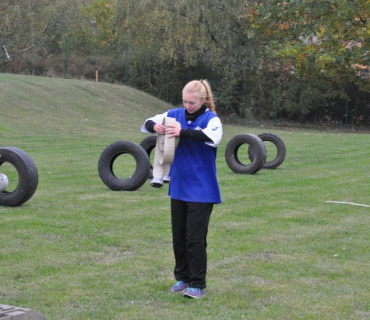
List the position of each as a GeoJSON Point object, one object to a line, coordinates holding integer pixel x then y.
{"type": "Point", "coordinates": [159, 128]}
{"type": "Point", "coordinates": [173, 130]}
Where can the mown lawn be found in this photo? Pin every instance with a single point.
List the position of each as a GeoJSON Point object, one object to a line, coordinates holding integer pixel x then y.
{"type": "Point", "coordinates": [77, 250]}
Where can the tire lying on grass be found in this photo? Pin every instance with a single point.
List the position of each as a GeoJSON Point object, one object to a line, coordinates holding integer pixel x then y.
{"type": "Point", "coordinates": [27, 176]}
{"type": "Point", "coordinates": [110, 155]}
{"type": "Point", "coordinates": [281, 150]}
{"type": "Point", "coordinates": [148, 144]}
{"type": "Point", "coordinates": [233, 158]}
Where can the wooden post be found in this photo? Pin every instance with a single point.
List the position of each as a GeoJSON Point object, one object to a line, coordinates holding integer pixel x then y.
{"type": "Point", "coordinates": [96, 76]}
{"type": "Point", "coordinates": [65, 58]}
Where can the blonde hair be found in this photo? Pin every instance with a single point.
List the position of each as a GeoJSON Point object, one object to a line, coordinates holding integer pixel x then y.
{"type": "Point", "coordinates": [201, 89]}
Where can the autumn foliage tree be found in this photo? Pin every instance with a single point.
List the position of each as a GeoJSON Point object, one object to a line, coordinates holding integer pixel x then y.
{"type": "Point", "coordinates": [323, 47]}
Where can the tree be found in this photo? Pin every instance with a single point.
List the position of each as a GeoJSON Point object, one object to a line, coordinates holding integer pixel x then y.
{"type": "Point", "coordinates": [322, 44]}
{"type": "Point", "coordinates": [205, 34]}
{"type": "Point", "coordinates": [94, 31]}
{"type": "Point", "coordinates": [35, 25]}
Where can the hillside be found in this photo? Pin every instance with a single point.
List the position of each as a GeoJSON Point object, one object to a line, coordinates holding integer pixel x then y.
{"type": "Point", "coordinates": [72, 108]}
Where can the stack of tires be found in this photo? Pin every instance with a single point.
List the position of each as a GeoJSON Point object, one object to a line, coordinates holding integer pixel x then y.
{"type": "Point", "coordinates": [254, 159]}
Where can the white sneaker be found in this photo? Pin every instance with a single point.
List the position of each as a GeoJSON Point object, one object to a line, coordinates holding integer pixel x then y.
{"type": "Point", "coordinates": [166, 179]}
{"type": "Point", "coordinates": [156, 183]}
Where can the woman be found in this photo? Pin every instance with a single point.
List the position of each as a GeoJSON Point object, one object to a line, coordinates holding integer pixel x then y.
{"type": "Point", "coordinates": [193, 188]}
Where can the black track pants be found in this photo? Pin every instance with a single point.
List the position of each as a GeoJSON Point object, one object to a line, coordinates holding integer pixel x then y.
{"type": "Point", "coordinates": [190, 222]}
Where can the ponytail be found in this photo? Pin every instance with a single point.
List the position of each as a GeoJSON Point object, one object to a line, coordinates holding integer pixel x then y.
{"type": "Point", "coordinates": [209, 97]}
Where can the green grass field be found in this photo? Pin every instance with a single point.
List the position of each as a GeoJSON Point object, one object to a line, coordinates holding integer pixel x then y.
{"type": "Point", "coordinates": [77, 250]}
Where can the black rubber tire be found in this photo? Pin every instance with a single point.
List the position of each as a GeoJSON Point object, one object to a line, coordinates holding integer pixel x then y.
{"type": "Point", "coordinates": [110, 154]}
{"type": "Point", "coordinates": [148, 144]}
{"type": "Point", "coordinates": [259, 150]}
{"type": "Point", "coordinates": [28, 176]}
{"type": "Point", "coordinates": [281, 150]}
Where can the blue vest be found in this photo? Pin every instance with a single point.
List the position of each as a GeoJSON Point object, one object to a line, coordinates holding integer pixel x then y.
{"type": "Point", "coordinates": [193, 171]}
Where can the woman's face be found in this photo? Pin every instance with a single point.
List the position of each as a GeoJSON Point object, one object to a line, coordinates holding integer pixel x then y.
{"type": "Point", "coordinates": [191, 102]}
